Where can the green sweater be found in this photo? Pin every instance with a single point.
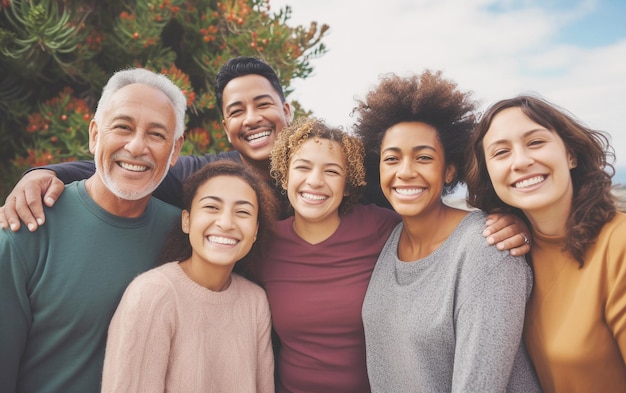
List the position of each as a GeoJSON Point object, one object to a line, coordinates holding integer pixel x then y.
{"type": "Point", "coordinates": [60, 286]}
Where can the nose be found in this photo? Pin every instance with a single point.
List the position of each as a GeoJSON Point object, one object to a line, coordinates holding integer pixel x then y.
{"type": "Point", "coordinates": [315, 178]}
{"type": "Point", "coordinates": [405, 170]}
{"type": "Point", "coordinates": [521, 159]}
{"type": "Point", "coordinates": [252, 117]}
{"type": "Point", "coordinates": [136, 145]}
{"type": "Point", "coordinates": [225, 220]}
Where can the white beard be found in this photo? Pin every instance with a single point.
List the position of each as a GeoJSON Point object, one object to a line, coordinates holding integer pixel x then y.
{"type": "Point", "coordinates": [127, 194]}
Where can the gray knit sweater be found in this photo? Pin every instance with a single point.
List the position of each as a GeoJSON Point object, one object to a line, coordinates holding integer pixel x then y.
{"type": "Point", "coordinates": [450, 322]}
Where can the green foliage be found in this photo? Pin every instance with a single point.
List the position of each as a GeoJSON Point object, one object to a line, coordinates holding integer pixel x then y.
{"type": "Point", "coordinates": [56, 55]}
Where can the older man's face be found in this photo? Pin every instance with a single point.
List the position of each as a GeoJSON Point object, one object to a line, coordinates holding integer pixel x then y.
{"type": "Point", "coordinates": [135, 145]}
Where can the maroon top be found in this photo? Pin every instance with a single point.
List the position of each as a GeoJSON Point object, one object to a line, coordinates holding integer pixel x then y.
{"type": "Point", "coordinates": [316, 292]}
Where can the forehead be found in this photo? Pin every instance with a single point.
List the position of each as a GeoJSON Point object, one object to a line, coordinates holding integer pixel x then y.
{"type": "Point", "coordinates": [410, 134]}
{"type": "Point", "coordinates": [227, 188]}
{"type": "Point", "coordinates": [511, 119]}
{"type": "Point", "coordinates": [138, 97]}
{"type": "Point", "coordinates": [248, 87]}
{"type": "Point", "coordinates": [320, 149]}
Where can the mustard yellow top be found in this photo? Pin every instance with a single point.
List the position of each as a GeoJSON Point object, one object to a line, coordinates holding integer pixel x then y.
{"type": "Point", "coordinates": [575, 329]}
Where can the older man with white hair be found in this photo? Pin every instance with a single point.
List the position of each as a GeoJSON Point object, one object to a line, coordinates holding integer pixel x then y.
{"type": "Point", "coordinates": [60, 286]}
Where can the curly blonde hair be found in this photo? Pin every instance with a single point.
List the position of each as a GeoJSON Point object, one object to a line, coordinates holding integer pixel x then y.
{"type": "Point", "coordinates": [291, 138]}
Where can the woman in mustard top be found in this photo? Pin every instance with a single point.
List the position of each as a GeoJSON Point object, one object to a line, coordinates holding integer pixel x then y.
{"type": "Point", "coordinates": [529, 156]}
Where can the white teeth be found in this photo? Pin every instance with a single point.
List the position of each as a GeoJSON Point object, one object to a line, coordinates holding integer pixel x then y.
{"type": "Point", "coordinates": [409, 191]}
{"type": "Point", "coordinates": [134, 168]}
{"type": "Point", "coordinates": [529, 182]}
{"type": "Point", "coordinates": [222, 240]}
{"type": "Point", "coordinates": [313, 197]}
{"type": "Point", "coordinates": [257, 136]}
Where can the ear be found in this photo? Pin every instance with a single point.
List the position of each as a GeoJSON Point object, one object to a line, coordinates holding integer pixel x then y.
{"type": "Point", "coordinates": [288, 112]}
{"type": "Point", "coordinates": [226, 130]}
{"type": "Point", "coordinates": [93, 136]}
{"type": "Point", "coordinates": [177, 146]}
{"type": "Point", "coordinates": [185, 221]}
{"type": "Point", "coordinates": [572, 161]}
{"type": "Point", "coordinates": [450, 173]}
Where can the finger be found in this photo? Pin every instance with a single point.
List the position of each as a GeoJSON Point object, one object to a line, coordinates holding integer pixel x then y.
{"type": "Point", "coordinates": [4, 223]}
{"type": "Point", "coordinates": [10, 215]}
{"type": "Point", "coordinates": [519, 251]}
{"type": "Point", "coordinates": [502, 235]}
{"type": "Point", "coordinates": [24, 212]}
{"type": "Point", "coordinates": [496, 222]}
{"type": "Point", "coordinates": [54, 191]}
{"type": "Point", "coordinates": [520, 242]}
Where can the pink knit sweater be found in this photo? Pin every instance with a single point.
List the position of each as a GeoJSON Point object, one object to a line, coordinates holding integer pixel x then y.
{"type": "Point", "coordinates": [170, 334]}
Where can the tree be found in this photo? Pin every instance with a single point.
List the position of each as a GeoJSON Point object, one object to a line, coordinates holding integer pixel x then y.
{"type": "Point", "coordinates": [57, 55]}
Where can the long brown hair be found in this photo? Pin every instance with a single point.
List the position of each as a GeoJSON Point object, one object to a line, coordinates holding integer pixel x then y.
{"type": "Point", "coordinates": [592, 205]}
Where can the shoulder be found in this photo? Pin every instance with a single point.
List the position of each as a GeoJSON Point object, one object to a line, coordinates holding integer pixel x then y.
{"type": "Point", "coordinates": [154, 284]}
{"type": "Point", "coordinates": [479, 257]}
{"type": "Point", "coordinates": [373, 214]}
{"type": "Point", "coordinates": [248, 287]}
{"type": "Point", "coordinates": [162, 211]}
{"type": "Point", "coordinates": [616, 228]}
{"type": "Point", "coordinates": [610, 246]}
{"type": "Point", "coordinates": [252, 292]}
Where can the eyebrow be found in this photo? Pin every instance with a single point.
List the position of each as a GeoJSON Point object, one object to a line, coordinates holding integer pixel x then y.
{"type": "Point", "coordinates": [309, 161]}
{"type": "Point", "coordinates": [130, 119]}
{"type": "Point", "coordinates": [413, 149]}
{"type": "Point", "coordinates": [218, 199]}
{"type": "Point", "coordinates": [525, 134]}
{"type": "Point", "coordinates": [257, 98]}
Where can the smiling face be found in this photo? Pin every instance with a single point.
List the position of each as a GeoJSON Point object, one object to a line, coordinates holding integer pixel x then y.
{"type": "Point", "coordinates": [413, 168]}
{"type": "Point", "coordinates": [316, 181]}
{"type": "Point", "coordinates": [134, 146]}
{"type": "Point", "coordinates": [223, 221]}
{"type": "Point", "coordinates": [253, 116]}
{"type": "Point", "coordinates": [528, 164]}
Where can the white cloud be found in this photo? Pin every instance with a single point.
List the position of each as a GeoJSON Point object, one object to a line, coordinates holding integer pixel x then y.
{"type": "Point", "coordinates": [496, 54]}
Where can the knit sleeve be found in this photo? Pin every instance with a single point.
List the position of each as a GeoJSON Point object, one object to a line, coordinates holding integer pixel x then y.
{"type": "Point", "coordinates": [616, 292]}
{"type": "Point", "coordinates": [489, 325]}
{"type": "Point", "coordinates": [265, 360]}
{"type": "Point", "coordinates": [138, 343]}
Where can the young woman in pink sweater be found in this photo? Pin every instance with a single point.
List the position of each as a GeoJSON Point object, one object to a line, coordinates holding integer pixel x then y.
{"type": "Point", "coordinates": [192, 325]}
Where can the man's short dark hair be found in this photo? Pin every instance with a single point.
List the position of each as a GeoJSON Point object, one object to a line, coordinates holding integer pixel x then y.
{"type": "Point", "coordinates": [242, 66]}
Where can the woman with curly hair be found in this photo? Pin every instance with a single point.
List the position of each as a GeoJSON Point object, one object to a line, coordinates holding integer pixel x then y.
{"type": "Point", "coordinates": [318, 266]}
{"type": "Point", "coordinates": [191, 325]}
{"type": "Point", "coordinates": [444, 311]}
{"type": "Point", "coordinates": [528, 155]}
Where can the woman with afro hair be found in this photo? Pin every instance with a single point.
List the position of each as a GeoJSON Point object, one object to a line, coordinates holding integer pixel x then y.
{"type": "Point", "coordinates": [444, 311]}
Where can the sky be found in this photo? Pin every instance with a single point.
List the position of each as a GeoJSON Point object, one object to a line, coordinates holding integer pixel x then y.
{"type": "Point", "coordinates": [571, 52]}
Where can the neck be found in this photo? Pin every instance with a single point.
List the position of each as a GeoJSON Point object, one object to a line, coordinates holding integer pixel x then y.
{"type": "Point", "coordinates": [549, 224]}
{"type": "Point", "coordinates": [423, 234]}
{"type": "Point", "coordinates": [111, 202]}
{"type": "Point", "coordinates": [316, 232]}
{"type": "Point", "coordinates": [214, 278]}
{"type": "Point", "coordinates": [552, 220]}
